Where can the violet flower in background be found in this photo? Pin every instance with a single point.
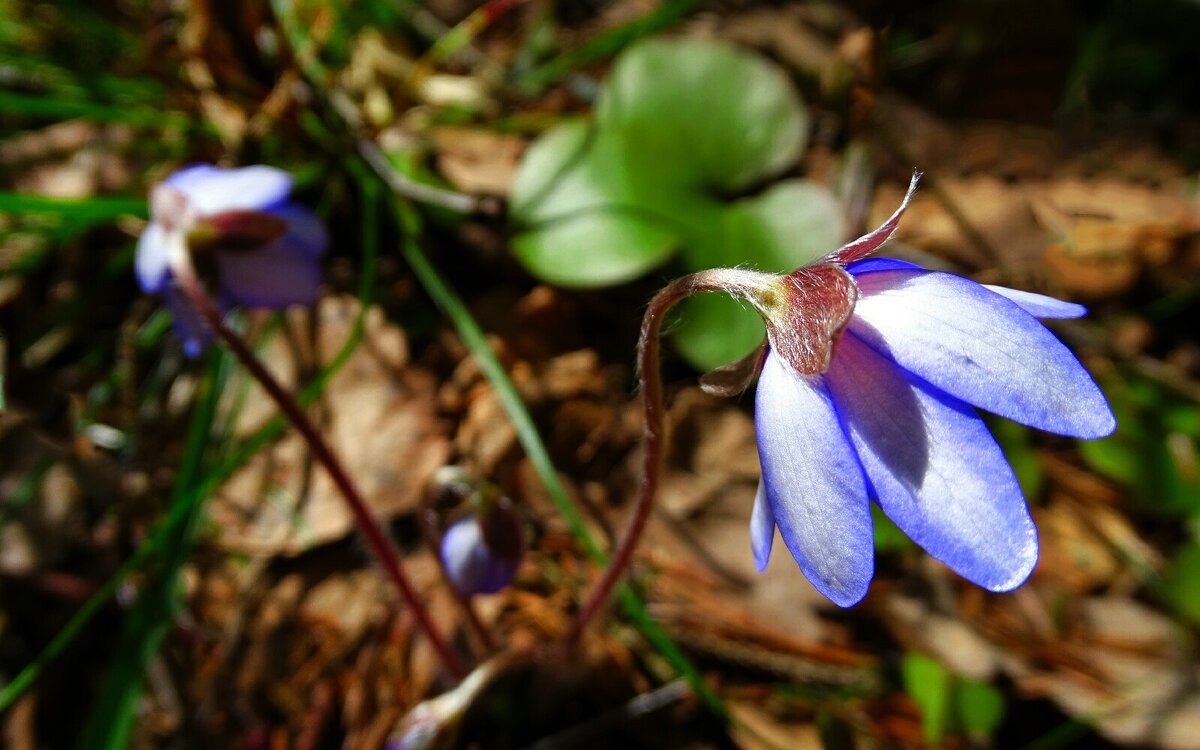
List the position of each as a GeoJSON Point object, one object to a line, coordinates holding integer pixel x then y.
{"type": "Point", "coordinates": [866, 391]}
{"type": "Point", "coordinates": [482, 550]}
{"type": "Point", "coordinates": [238, 224]}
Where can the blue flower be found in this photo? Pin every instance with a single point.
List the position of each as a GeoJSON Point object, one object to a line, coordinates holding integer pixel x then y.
{"type": "Point", "coordinates": [264, 248]}
{"type": "Point", "coordinates": [482, 556]}
{"type": "Point", "coordinates": [867, 390]}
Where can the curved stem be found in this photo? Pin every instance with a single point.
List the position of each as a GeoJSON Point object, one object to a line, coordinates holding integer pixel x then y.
{"type": "Point", "coordinates": [378, 540]}
{"type": "Point", "coordinates": [732, 281]}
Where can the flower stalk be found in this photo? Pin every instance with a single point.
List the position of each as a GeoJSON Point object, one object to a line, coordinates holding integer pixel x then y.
{"type": "Point", "coordinates": [377, 539]}
{"type": "Point", "coordinates": [737, 282]}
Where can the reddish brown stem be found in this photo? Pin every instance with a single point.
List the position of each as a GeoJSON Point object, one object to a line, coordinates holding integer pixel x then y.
{"type": "Point", "coordinates": [377, 539]}
{"type": "Point", "coordinates": [732, 281]}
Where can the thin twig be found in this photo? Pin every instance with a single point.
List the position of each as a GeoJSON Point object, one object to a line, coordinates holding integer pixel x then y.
{"type": "Point", "coordinates": [376, 537]}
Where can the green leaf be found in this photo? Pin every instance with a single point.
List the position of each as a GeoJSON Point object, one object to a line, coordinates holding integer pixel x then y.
{"type": "Point", "coordinates": [679, 124]}
{"type": "Point", "coordinates": [929, 685]}
{"type": "Point", "coordinates": [1182, 581]}
{"type": "Point", "coordinates": [1017, 442]}
{"type": "Point", "coordinates": [1152, 451]}
{"type": "Point", "coordinates": [980, 709]}
{"type": "Point", "coordinates": [91, 210]}
{"type": "Point", "coordinates": [788, 226]}
{"type": "Point", "coordinates": [888, 536]}
{"type": "Point", "coordinates": [714, 330]}
{"type": "Point", "coordinates": [588, 223]}
{"type": "Point", "coordinates": [594, 249]}
{"type": "Point", "coordinates": [702, 113]}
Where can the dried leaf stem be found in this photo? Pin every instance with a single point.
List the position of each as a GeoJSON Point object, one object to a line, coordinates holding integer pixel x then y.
{"type": "Point", "coordinates": [378, 540]}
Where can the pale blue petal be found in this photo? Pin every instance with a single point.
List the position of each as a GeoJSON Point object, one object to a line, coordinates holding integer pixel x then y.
{"type": "Point", "coordinates": [151, 261]}
{"type": "Point", "coordinates": [275, 276]}
{"type": "Point", "coordinates": [935, 469]}
{"type": "Point", "coordinates": [762, 529]}
{"type": "Point", "coordinates": [1039, 305]}
{"type": "Point", "coordinates": [979, 347]}
{"type": "Point", "coordinates": [213, 190]}
{"type": "Point", "coordinates": [814, 484]}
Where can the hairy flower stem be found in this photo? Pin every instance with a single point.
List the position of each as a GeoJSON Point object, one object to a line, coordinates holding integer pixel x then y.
{"type": "Point", "coordinates": [731, 281]}
{"type": "Point", "coordinates": [378, 540]}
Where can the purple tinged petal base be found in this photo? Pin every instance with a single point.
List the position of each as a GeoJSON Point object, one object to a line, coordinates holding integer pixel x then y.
{"type": "Point", "coordinates": [274, 276]}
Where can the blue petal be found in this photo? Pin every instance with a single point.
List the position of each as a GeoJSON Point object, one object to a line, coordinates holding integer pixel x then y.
{"type": "Point", "coordinates": [1039, 305]}
{"type": "Point", "coordinates": [979, 347]}
{"type": "Point", "coordinates": [469, 563]}
{"type": "Point", "coordinates": [881, 264]}
{"type": "Point", "coordinates": [814, 484]}
{"type": "Point", "coordinates": [304, 229]}
{"type": "Point", "coordinates": [935, 469]}
{"type": "Point", "coordinates": [213, 190]}
{"type": "Point", "coordinates": [193, 331]}
{"type": "Point", "coordinates": [762, 529]}
{"type": "Point", "coordinates": [280, 274]}
{"type": "Point", "coordinates": [151, 261]}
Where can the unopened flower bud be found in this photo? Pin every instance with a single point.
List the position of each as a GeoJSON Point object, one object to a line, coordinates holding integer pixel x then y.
{"type": "Point", "coordinates": [481, 551]}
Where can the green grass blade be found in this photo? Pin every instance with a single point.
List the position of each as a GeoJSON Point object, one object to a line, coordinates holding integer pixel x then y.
{"type": "Point", "coordinates": [81, 209]}
{"type": "Point", "coordinates": [70, 109]}
{"type": "Point", "coordinates": [112, 717]}
{"type": "Point", "coordinates": [473, 337]}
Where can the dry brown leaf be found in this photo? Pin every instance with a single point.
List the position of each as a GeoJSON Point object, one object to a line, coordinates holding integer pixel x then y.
{"type": "Point", "coordinates": [712, 450]}
{"type": "Point", "coordinates": [997, 210]}
{"type": "Point", "coordinates": [1138, 688]}
{"type": "Point", "coordinates": [476, 160]}
{"type": "Point", "coordinates": [379, 415]}
{"type": "Point", "coordinates": [1072, 553]}
{"type": "Point", "coordinates": [486, 435]}
{"type": "Point", "coordinates": [349, 603]}
{"type": "Point", "coordinates": [952, 641]}
{"type": "Point", "coordinates": [73, 159]}
{"type": "Point", "coordinates": [756, 729]}
{"type": "Point", "coordinates": [1104, 232]}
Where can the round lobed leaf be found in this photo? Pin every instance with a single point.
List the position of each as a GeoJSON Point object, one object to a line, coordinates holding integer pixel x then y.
{"type": "Point", "coordinates": [703, 113]}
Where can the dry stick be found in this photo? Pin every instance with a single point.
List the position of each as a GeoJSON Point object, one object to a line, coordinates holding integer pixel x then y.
{"type": "Point", "coordinates": [377, 539]}
{"type": "Point", "coordinates": [653, 430]}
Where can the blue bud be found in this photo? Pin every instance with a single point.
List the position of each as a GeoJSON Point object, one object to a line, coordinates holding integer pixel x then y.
{"type": "Point", "coordinates": [482, 551]}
